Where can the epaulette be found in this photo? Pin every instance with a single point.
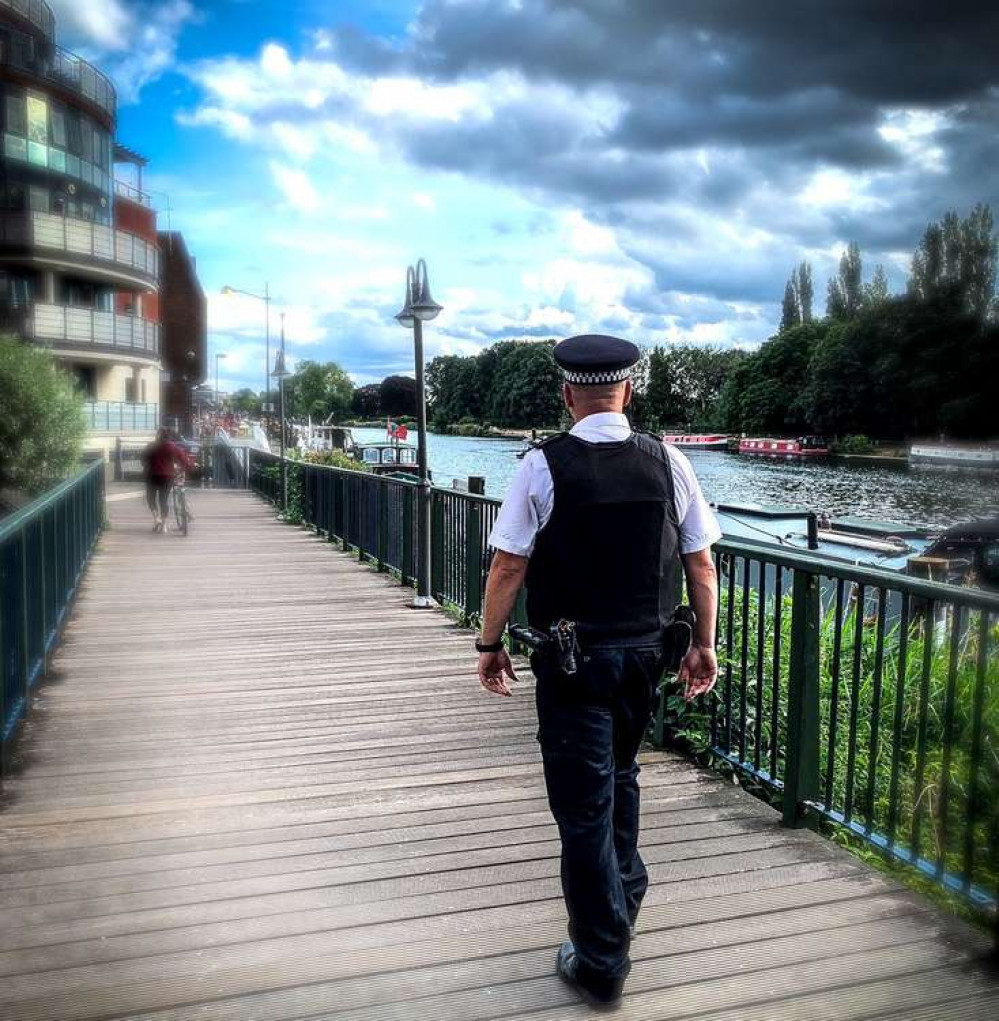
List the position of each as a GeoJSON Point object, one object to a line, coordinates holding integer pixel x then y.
{"type": "Point", "coordinates": [538, 444]}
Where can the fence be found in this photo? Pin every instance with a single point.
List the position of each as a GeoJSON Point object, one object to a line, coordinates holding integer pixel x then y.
{"type": "Point", "coordinates": [44, 549]}
{"type": "Point", "coordinates": [851, 695]}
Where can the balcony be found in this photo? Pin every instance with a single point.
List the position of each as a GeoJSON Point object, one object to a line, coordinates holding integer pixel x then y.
{"type": "Point", "coordinates": [70, 73]}
{"type": "Point", "coordinates": [35, 12]}
{"type": "Point", "coordinates": [58, 324]}
{"type": "Point", "coordinates": [119, 417]}
{"type": "Point", "coordinates": [118, 255]}
{"type": "Point", "coordinates": [126, 191]}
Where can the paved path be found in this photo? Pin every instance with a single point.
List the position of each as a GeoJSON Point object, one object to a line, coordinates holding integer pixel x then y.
{"type": "Point", "coordinates": [258, 786]}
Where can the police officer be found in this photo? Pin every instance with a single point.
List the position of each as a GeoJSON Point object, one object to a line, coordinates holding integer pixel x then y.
{"type": "Point", "coordinates": [598, 523]}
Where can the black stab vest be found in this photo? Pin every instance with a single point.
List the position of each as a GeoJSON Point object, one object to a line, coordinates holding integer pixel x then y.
{"type": "Point", "coordinates": [608, 557]}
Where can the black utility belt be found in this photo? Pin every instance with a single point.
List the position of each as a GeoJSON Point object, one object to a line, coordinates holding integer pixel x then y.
{"type": "Point", "coordinates": [566, 641]}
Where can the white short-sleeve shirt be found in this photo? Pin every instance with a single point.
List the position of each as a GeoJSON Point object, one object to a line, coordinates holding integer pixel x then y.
{"type": "Point", "coordinates": [528, 504]}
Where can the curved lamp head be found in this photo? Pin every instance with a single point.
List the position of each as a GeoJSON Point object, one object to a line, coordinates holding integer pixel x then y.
{"type": "Point", "coordinates": [405, 317]}
{"type": "Point", "coordinates": [424, 307]}
{"type": "Point", "coordinates": [280, 369]}
{"type": "Point", "coordinates": [228, 290]}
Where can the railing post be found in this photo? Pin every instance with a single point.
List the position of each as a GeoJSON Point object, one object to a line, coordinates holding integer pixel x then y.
{"type": "Point", "coordinates": [473, 562]}
{"type": "Point", "coordinates": [801, 779]}
{"type": "Point", "coordinates": [437, 552]}
{"type": "Point", "coordinates": [382, 525]}
{"type": "Point", "coordinates": [407, 535]}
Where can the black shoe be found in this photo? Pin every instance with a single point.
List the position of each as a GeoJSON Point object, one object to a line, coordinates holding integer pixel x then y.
{"type": "Point", "coordinates": [567, 967]}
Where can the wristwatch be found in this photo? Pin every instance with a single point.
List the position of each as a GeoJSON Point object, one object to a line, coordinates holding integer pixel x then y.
{"type": "Point", "coordinates": [492, 647]}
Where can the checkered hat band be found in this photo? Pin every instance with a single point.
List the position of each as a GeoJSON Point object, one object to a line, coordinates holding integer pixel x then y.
{"type": "Point", "coordinates": [614, 376]}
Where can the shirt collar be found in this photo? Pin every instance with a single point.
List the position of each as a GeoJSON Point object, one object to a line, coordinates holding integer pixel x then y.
{"type": "Point", "coordinates": [605, 425]}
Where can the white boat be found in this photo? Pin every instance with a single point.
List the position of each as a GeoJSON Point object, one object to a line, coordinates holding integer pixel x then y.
{"type": "Point", "coordinates": [949, 454]}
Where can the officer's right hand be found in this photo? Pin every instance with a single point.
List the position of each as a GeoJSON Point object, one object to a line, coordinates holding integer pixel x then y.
{"type": "Point", "coordinates": [494, 668]}
{"type": "Point", "coordinates": [698, 671]}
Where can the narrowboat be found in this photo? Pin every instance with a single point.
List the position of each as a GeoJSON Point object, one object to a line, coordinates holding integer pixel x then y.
{"type": "Point", "coordinates": [802, 446]}
{"type": "Point", "coordinates": [953, 456]}
{"type": "Point", "coordinates": [388, 458]}
{"type": "Point", "coordinates": [697, 441]}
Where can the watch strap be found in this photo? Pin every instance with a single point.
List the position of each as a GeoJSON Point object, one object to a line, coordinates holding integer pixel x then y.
{"type": "Point", "coordinates": [491, 647]}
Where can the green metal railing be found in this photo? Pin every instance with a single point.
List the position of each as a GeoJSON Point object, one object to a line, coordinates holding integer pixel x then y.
{"type": "Point", "coordinates": [44, 548]}
{"type": "Point", "coordinates": [849, 695]}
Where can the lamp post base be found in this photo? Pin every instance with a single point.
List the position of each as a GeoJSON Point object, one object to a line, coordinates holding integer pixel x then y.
{"type": "Point", "coordinates": [423, 603]}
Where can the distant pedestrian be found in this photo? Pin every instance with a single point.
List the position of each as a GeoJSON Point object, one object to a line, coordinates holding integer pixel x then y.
{"type": "Point", "coordinates": [163, 460]}
{"type": "Point", "coordinates": [598, 523]}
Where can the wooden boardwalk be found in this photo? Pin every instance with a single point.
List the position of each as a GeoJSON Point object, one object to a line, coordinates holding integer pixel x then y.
{"type": "Point", "coordinates": [258, 787]}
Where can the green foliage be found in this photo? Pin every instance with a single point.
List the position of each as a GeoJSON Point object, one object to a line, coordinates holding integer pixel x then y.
{"type": "Point", "coordinates": [333, 459]}
{"type": "Point", "coordinates": [853, 445]}
{"type": "Point", "coordinates": [958, 257]}
{"type": "Point", "coordinates": [367, 402]}
{"type": "Point", "coordinates": [318, 390]}
{"type": "Point", "coordinates": [247, 402]}
{"type": "Point", "coordinates": [685, 384]}
{"type": "Point", "coordinates": [846, 290]}
{"type": "Point", "coordinates": [513, 384]}
{"type": "Point", "coordinates": [397, 396]}
{"type": "Point", "coordinates": [42, 420]}
{"type": "Point", "coordinates": [764, 393]}
{"type": "Point", "coordinates": [790, 315]}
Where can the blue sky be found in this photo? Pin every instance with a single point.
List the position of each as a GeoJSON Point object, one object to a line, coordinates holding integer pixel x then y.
{"type": "Point", "coordinates": [644, 168]}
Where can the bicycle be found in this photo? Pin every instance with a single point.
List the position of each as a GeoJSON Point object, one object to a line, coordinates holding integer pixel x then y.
{"type": "Point", "coordinates": [178, 503]}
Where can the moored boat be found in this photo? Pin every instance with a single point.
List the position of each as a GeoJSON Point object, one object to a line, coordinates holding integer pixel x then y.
{"type": "Point", "coordinates": [802, 446]}
{"type": "Point", "coordinates": [697, 441]}
{"type": "Point", "coordinates": [953, 455]}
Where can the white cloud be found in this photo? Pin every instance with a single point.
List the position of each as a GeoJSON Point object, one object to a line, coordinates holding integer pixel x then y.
{"type": "Point", "coordinates": [297, 188]}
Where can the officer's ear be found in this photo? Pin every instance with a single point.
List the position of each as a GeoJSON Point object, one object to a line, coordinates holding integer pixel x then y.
{"type": "Point", "coordinates": [567, 394]}
{"type": "Point", "coordinates": [628, 393]}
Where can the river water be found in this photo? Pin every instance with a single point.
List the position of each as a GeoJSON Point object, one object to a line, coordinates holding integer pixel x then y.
{"type": "Point", "coordinates": [935, 497]}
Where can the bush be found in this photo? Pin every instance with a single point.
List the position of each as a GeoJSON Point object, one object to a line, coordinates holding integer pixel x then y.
{"type": "Point", "coordinates": [42, 421]}
{"type": "Point", "coordinates": [853, 445]}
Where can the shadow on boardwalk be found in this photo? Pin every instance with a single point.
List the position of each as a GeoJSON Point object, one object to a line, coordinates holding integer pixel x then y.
{"type": "Point", "coordinates": [258, 786]}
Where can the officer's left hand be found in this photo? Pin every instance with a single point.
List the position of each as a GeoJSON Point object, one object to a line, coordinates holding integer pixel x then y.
{"type": "Point", "coordinates": [492, 668]}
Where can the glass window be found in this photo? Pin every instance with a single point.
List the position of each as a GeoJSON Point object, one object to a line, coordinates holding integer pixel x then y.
{"type": "Point", "coordinates": [15, 148]}
{"type": "Point", "coordinates": [38, 199]}
{"type": "Point", "coordinates": [388, 455]}
{"type": "Point", "coordinates": [14, 197]}
{"type": "Point", "coordinates": [58, 123]}
{"type": "Point", "coordinates": [407, 456]}
{"type": "Point", "coordinates": [371, 456]}
{"type": "Point", "coordinates": [57, 160]}
{"type": "Point", "coordinates": [73, 133]}
{"type": "Point", "coordinates": [38, 120]}
{"type": "Point", "coordinates": [17, 121]}
{"type": "Point", "coordinates": [87, 136]}
{"type": "Point", "coordinates": [38, 154]}
{"type": "Point", "coordinates": [73, 166]}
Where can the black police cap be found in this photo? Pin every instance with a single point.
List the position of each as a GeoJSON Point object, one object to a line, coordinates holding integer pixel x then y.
{"type": "Point", "coordinates": [593, 358]}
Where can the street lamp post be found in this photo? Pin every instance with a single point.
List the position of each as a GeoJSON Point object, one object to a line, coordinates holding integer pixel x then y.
{"type": "Point", "coordinates": [419, 308]}
{"type": "Point", "coordinates": [279, 373]}
{"type": "Point", "coordinates": [266, 299]}
{"type": "Point", "coordinates": [218, 355]}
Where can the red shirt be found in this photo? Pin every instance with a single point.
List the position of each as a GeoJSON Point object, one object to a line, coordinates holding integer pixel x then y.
{"type": "Point", "coordinates": [162, 457]}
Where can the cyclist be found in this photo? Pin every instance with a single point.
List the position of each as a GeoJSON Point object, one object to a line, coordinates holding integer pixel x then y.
{"type": "Point", "coordinates": [164, 460]}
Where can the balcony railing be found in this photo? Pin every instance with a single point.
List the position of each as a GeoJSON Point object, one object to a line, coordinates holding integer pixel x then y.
{"type": "Point", "coordinates": [126, 191]}
{"type": "Point", "coordinates": [36, 12]}
{"type": "Point", "coordinates": [121, 417]}
{"type": "Point", "coordinates": [117, 248]}
{"type": "Point", "coordinates": [59, 323]}
{"type": "Point", "coordinates": [68, 71]}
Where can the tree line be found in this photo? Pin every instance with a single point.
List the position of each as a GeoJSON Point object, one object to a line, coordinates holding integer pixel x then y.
{"type": "Point", "coordinates": [878, 364]}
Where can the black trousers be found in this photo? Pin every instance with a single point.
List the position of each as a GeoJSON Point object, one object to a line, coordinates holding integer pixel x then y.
{"type": "Point", "coordinates": [590, 727]}
{"type": "Point", "coordinates": [158, 492]}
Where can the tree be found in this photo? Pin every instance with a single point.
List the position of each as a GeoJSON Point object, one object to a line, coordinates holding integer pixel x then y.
{"type": "Point", "coordinates": [846, 294]}
{"type": "Point", "coordinates": [319, 391]}
{"type": "Point", "coordinates": [246, 401]}
{"type": "Point", "coordinates": [367, 401]}
{"type": "Point", "coordinates": [397, 396]}
{"type": "Point", "coordinates": [804, 290]}
{"type": "Point", "coordinates": [525, 385]}
{"type": "Point", "coordinates": [876, 292]}
{"type": "Point", "coordinates": [958, 256]}
{"type": "Point", "coordinates": [685, 384]}
{"type": "Point", "coordinates": [42, 421]}
{"type": "Point", "coordinates": [790, 315]}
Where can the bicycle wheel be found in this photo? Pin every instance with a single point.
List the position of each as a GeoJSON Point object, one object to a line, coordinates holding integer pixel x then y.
{"type": "Point", "coordinates": [180, 510]}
